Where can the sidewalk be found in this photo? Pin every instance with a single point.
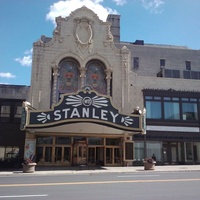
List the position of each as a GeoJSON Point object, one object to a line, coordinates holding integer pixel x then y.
{"type": "Point", "coordinates": [165, 168]}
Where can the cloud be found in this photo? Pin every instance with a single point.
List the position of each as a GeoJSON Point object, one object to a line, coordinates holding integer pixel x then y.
{"type": "Point", "coordinates": [27, 59]}
{"type": "Point", "coordinates": [6, 75]}
{"type": "Point", "coordinates": [120, 2]}
{"type": "Point", "coordinates": [155, 6]}
{"type": "Point", "coordinates": [64, 8]}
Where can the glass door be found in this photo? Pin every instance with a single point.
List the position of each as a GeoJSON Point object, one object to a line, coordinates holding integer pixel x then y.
{"type": "Point", "coordinates": [109, 155]}
{"type": "Point", "coordinates": [79, 153]}
{"type": "Point", "coordinates": [91, 155]}
{"type": "Point", "coordinates": [117, 157]}
{"type": "Point", "coordinates": [113, 155]}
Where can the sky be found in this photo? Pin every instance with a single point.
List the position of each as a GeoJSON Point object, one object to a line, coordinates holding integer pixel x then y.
{"type": "Point", "coordinates": [23, 22]}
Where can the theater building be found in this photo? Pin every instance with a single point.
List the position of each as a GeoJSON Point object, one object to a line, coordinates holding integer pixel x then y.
{"type": "Point", "coordinates": [80, 110]}
{"type": "Point", "coordinates": [90, 90]}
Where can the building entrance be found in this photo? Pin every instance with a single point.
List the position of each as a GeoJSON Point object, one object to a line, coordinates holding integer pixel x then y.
{"type": "Point", "coordinates": [79, 154]}
{"type": "Point", "coordinates": [113, 156]}
{"type": "Point", "coordinates": [170, 153]}
{"type": "Point", "coordinates": [96, 156]}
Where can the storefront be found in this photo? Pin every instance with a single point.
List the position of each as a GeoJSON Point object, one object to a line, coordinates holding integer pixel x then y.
{"type": "Point", "coordinates": [83, 128]}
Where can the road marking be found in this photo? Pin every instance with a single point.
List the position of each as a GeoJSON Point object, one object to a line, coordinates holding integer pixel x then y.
{"type": "Point", "coordinates": [97, 182]}
{"type": "Point", "coordinates": [22, 196]}
{"type": "Point", "coordinates": [136, 176]}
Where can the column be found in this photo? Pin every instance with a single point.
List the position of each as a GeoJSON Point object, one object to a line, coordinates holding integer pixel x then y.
{"type": "Point", "coordinates": [55, 69]}
{"type": "Point", "coordinates": [82, 76]}
{"type": "Point", "coordinates": [108, 79]}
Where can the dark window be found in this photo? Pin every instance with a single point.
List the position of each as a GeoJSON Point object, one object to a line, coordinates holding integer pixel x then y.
{"type": "Point", "coordinates": [162, 62]}
{"type": "Point", "coordinates": [63, 140]}
{"type": "Point", "coordinates": [135, 62]}
{"type": "Point", "coordinates": [113, 141]}
{"type": "Point", "coordinates": [191, 74]}
{"type": "Point", "coordinates": [45, 140]}
{"type": "Point", "coordinates": [5, 111]}
{"type": "Point", "coordinates": [194, 75]}
{"type": "Point", "coordinates": [172, 73]}
{"type": "Point", "coordinates": [186, 74]}
{"type": "Point", "coordinates": [188, 65]}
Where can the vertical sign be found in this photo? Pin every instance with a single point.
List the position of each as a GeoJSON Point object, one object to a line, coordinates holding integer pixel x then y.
{"type": "Point", "coordinates": [144, 128]}
{"type": "Point", "coordinates": [30, 147]}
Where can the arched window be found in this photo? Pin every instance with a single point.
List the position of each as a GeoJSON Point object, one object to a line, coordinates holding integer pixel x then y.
{"type": "Point", "coordinates": [69, 76]}
{"type": "Point", "coordinates": [95, 76]}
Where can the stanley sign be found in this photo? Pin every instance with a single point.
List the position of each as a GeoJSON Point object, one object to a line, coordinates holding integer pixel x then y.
{"type": "Point", "coordinates": [85, 106]}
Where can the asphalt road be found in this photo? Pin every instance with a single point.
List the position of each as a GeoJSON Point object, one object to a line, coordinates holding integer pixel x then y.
{"type": "Point", "coordinates": [110, 186]}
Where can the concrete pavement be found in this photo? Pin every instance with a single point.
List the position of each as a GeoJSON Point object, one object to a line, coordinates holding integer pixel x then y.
{"type": "Point", "coordinates": [89, 170]}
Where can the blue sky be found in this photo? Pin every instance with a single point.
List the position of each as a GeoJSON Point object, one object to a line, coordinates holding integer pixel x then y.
{"type": "Point", "coordinates": [170, 22]}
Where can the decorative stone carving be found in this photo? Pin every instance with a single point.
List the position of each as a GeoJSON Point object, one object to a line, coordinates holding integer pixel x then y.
{"type": "Point", "coordinates": [83, 33]}
{"type": "Point", "coordinates": [57, 31]}
{"type": "Point", "coordinates": [109, 36]}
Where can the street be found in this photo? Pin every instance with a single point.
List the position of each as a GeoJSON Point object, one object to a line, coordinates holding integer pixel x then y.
{"type": "Point", "coordinates": [112, 186]}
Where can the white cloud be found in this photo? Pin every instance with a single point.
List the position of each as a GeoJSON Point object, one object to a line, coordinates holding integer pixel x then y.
{"type": "Point", "coordinates": [26, 60]}
{"type": "Point", "coordinates": [155, 6]}
{"type": "Point", "coordinates": [6, 75]}
{"type": "Point", "coordinates": [120, 2]}
{"type": "Point", "coordinates": [64, 8]}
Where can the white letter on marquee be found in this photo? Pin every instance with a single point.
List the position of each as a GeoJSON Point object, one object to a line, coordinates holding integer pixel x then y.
{"type": "Point", "coordinates": [85, 112]}
{"type": "Point", "coordinates": [57, 114]}
{"type": "Point", "coordinates": [75, 113]}
{"type": "Point", "coordinates": [66, 112]}
{"type": "Point", "coordinates": [93, 114]}
{"type": "Point", "coordinates": [103, 114]}
{"type": "Point", "coordinates": [114, 116]}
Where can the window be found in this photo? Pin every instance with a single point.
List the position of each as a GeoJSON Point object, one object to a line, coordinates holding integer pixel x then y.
{"type": "Point", "coordinates": [172, 107]}
{"type": "Point", "coordinates": [186, 74]}
{"type": "Point", "coordinates": [8, 152]}
{"type": "Point", "coordinates": [69, 76]}
{"type": "Point", "coordinates": [135, 62]}
{"type": "Point", "coordinates": [189, 109]}
{"type": "Point", "coordinates": [171, 110]}
{"type": "Point", "coordinates": [191, 74]}
{"type": "Point", "coordinates": [5, 115]}
{"type": "Point", "coordinates": [5, 111]}
{"type": "Point", "coordinates": [45, 140]}
{"type": "Point", "coordinates": [63, 140]}
{"type": "Point", "coordinates": [194, 75]}
{"type": "Point", "coordinates": [162, 62]}
{"type": "Point", "coordinates": [113, 141]}
{"type": "Point", "coordinates": [18, 111]}
{"type": "Point", "coordinates": [188, 65]}
{"type": "Point", "coordinates": [153, 107]}
{"type": "Point", "coordinates": [95, 141]}
{"type": "Point", "coordinates": [172, 73]}
{"type": "Point", "coordinates": [95, 76]}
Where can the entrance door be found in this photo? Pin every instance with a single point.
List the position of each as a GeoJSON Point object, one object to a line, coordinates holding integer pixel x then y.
{"type": "Point", "coordinates": [113, 155]}
{"type": "Point", "coordinates": [109, 155]}
{"type": "Point", "coordinates": [79, 153]}
{"type": "Point", "coordinates": [91, 155]}
{"type": "Point", "coordinates": [170, 153]}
